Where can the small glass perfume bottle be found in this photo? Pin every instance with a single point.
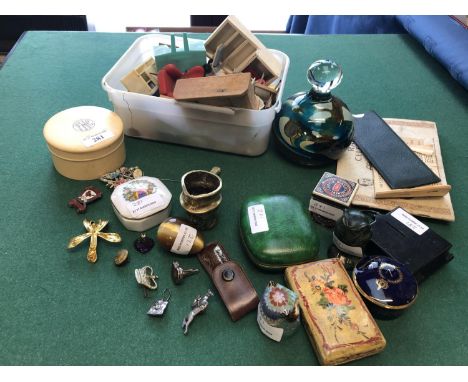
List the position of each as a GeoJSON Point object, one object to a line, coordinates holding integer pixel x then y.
{"type": "Point", "coordinates": [315, 127]}
{"type": "Point", "coordinates": [278, 312]}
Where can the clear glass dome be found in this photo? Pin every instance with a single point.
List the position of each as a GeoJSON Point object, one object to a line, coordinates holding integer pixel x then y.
{"type": "Point", "coordinates": [324, 75]}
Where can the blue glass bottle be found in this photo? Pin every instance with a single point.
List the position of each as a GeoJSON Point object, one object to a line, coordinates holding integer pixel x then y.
{"type": "Point", "coordinates": [315, 127]}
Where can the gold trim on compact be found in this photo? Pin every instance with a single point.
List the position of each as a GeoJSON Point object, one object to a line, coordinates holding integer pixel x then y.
{"type": "Point", "coordinates": [378, 302]}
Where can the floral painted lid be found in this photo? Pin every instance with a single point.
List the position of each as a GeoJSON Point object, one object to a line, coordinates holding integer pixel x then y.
{"type": "Point", "coordinates": [278, 301]}
{"type": "Point", "coordinates": [385, 282]}
{"type": "Point", "coordinates": [141, 197]}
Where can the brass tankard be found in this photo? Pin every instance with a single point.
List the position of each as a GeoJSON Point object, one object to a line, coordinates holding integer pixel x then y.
{"type": "Point", "coordinates": [201, 196]}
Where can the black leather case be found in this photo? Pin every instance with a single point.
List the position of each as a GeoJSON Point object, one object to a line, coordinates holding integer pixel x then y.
{"type": "Point", "coordinates": [386, 151]}
{"type": "Point", "coordinates": [421, 253]}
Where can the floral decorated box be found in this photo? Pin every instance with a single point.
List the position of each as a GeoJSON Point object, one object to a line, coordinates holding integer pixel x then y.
{"type": "Point", "coordinates": [337, 320]}
{"type": "Point", "coordinates": [141, 203]}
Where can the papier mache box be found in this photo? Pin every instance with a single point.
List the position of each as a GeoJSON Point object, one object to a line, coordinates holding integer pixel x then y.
{"type": "Point", "coordinates": [336, 318]}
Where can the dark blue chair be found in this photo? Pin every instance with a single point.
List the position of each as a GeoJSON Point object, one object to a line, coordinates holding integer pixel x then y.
{"type": "Point", "coordinates": [343, 25]}
{"type": "Point", "coordinates": [443, 37]}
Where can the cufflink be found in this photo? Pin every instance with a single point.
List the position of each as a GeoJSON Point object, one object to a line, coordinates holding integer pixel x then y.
{"type": "Point", "coordinates": [178, 273]}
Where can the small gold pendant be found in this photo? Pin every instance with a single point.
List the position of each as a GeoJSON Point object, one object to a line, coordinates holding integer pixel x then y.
{"type": "Point", "coordinates": [94, 231]}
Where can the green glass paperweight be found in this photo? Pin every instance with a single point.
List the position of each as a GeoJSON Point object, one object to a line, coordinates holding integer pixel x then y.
{"type": "Point", "coordinates": [315, 127]}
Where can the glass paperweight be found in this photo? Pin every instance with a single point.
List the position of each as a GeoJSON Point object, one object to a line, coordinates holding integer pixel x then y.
{"type": "Point", "coordinates": [315, 127]}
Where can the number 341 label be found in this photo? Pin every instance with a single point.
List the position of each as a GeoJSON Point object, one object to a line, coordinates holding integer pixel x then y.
{"type": "Point", "coordinates": [94, 139]}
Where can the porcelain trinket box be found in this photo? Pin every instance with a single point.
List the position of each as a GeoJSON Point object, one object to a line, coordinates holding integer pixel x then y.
{"type": "Point", "coordinates": [141, 203]}
{"type": "Point", "coordinates": [387, 286]}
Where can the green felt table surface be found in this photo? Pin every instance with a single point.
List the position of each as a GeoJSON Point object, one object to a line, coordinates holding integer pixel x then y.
{"type": "Point", "coordinates": [56, 308]}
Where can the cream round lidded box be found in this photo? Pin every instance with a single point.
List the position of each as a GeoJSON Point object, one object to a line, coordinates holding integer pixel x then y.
{"type": "Point", "coordinates": [85, 142]}
{"type": "Point", "coordinates": [141, 203]}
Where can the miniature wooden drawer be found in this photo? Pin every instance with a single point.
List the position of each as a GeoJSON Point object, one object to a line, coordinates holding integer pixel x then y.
{"type": "Point", "coordinates": [242, 51]}
{"type": "Point", "coordinates": [85, 142]}
{"type": "Point", "coordinates": [143, 79]}
{"type": "Point", "coordinates": [337, 321]}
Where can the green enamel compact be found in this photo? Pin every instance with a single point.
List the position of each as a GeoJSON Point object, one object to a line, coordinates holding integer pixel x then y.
{"type": "Point", "coordinates": [277, 232]}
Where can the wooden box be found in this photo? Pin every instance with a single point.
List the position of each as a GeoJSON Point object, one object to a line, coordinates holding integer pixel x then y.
{"type": "Point", "coordinates": [337, 321]}
{"type": "Point", "coordinates": [234, 90]}
{"type": "Point", "coordinates": [241, 50]}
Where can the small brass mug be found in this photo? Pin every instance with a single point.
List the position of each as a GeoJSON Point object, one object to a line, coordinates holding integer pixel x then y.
{"type": "Point", "coordinates": [201, 196]}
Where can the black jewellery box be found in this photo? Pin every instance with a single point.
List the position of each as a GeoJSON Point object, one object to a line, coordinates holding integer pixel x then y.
{"type": "Point", "coordinates": [401, 236]}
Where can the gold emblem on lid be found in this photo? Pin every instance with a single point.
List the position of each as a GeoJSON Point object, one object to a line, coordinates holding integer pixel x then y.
{"type": "Point", "coordinates": [381, 284]}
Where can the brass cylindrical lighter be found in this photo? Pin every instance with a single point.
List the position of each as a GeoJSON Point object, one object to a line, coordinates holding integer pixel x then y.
{"type": "Point", "coordinates": [178, 237]}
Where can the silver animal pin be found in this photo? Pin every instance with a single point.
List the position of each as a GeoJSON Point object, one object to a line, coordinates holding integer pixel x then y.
{"type": "Point", "coordinates": [199, 305]}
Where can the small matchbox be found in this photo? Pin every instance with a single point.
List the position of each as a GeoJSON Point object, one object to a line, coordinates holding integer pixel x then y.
{"type": "Point", "coordinates": [330, 197]}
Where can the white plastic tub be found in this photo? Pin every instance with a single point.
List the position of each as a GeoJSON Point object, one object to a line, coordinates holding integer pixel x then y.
{"type": "Point", "coordinates": [233, 130]}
